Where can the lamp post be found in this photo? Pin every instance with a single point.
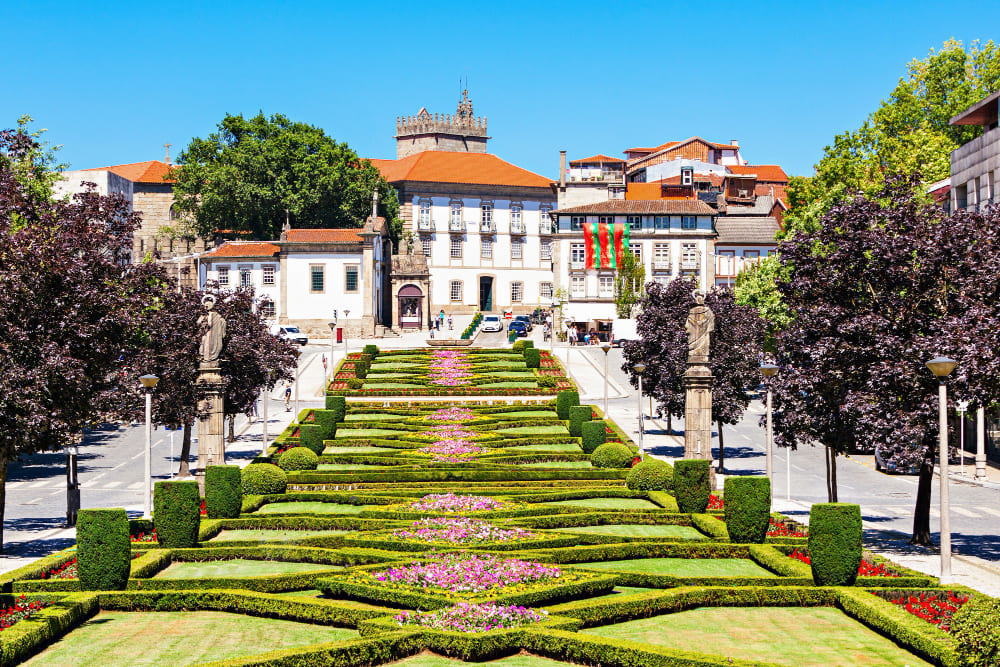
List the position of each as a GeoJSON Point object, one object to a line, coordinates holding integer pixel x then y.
{"type": "Point", "coordinates": [148, 381]}
{"type": "Point", "coordinates": [606, 346]}
{"type": "Point", "coordinates": [347, 312]}
{"type": "Point", "coordinates": [962, 406]}
{"type": "Point", "coordinates": [333, 341]}
{"type": "Point", "coordinates": [266, 399]}
{"type": "Point", "coordinates": [942, 367]}
{"type": "Point", "coordinates": [298, 358]}
{"type": "Point", "coordinates": [768, 371]}
{"type": "Point", "coordinates": [638, 368]}
{"type": "Point", "coordinates": [552, 329]}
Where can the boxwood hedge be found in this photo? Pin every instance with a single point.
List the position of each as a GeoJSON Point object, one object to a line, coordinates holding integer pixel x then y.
{"type": "Point", "coordinates": [103, 557]}
{"type": "Point", "coordinates": [577, 415]}
{"type": "Point", "coordinates": [594, 435]}
{"type": "Point", "coordinates": [564, 401]}
{"type": "Point", "coordinates": [223, 492]}
{"type": "Point", "coordinates": [748, 508]}
{"type": "Point", "coordinates": [176, 512]}
{"type": "Point", "coordinates": [691, 484]}
{"type": "Point", "coordinates": [835, 543]}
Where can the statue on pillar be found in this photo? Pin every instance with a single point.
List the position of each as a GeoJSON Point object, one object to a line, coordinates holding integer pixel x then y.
{"type": "Point", "coordinates": [698, 382]}
{"type": "Point", "coordinates": [700, 325]}
{"type": "Point", "coordinates": [215, 332]}
{"type": "Point", "coordinates": [211, 446]}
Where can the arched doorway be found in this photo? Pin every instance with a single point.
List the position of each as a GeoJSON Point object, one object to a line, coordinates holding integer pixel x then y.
{"type": "Point", "coordinates": [411, 305]}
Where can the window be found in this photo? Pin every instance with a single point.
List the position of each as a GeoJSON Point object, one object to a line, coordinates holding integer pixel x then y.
{"type": "Point", "coordinates": [221, 272]}
{"type": "Point", "coordinates": [545, 289]}
{"type": "Point", "coordinates": [546, 250]}
{"type": "Point", "coordinates": [246, 276]}
{"type": "Point", "coordinates": [750, 256]}
{"type": "Point", "coordinates": [268, 274]}
{"type": "Point", "coordinates": [662, 278]}
{"type": "Point", "coordinates": [661, 222]}
{"type": "Point", "coordinates": [635, 222]}
{"type": "Point", "coordinates": [486, 248]}
{"type": "Point", "coordinates": [689, 222]}
{"type": "Point", "coordinates": [174, 213]}
{"type": "Point", "coordinates": [456, 212]}
{"type": "Point", "coordinates": [516, 223]}
{"type": "Point", "coordinates": [486, 214]}
{"type": "Point", "coordinates": [516, 248]}
{"type": "Point", "coordinates": [606, 286]}
{"type": "Point", "coordinates": [636, 250]}
{"type": "Point", "coordinates": [661, 256]}
{"type": "Point", "coordinates": [425, 242]}
{"type": "Point", "coordinates": [687, 176]}
{"type": "Point", "coordinates": [267, 308]}
{"type": "Point", "coordinates": [456, 247]}
{"type": "Point", "coordinates": [576, 254]}
{"type": "Point", "coordinates": [606, 219]}
{"type": "Point", "coordinates": [456, 290]}
{"type": "Point", "coordinates": [425, 212]}
{"type": "Point", "coordinates": [578, 285]}
{"type": "Point", "coordinates": [516, 292]}
{"type": "Point", "coordinates": [351, 278]}
{"type": "Point", "coordinates": [316, 279]}
{"type": "Point", "coordinates": [689, 255]}
{"type": "Point", "coordinates": [545, 226]}
{"type": "Point", "coordinates": [727, 263]}
{"type": "Point", "coordinates": [576, 223]}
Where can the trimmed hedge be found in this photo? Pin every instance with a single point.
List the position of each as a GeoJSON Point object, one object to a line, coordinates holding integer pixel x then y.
{"type": "Point", "coordinates": [338, 406]}
{"type": "Point", "coordinates": [360, 369]}
{"type": "Point", "coordinates": [835, 543]}
{"type": "Point", "coordinates": [651, 475]}
{"type": "Point", "coordinates": [223, 492]}
{"type": "Point", "coordinates": [691, 485]}
{"type": "Point", "coordinates": [327, 419]}
{"type": "Point", "coordinates": [611, 455]}
{"type": "Point", "coordinates": [176, 513]}
{"type": "Point", "coordinates": [594, 435]}
{"type": "Point", "coordinates": [312, 436]}
{"type": "Point", "coordinates": [370, 350]}
{"type": "Point", "coordinates": [976, 629]}
{"type": "Point", "coordinates": [532, 357]}
{"type": "Point", "coordinates": [577, 415]}
{"type": "Point", "coordinates": [748, 509]}
{"type": "Point", "coordinates": [260, 479]}
{"type": "Point", "coordinates": [298, 458]}
{"type": "Point", "coordinates": [519, 346]}
{"type": "Point", "coordinates": [104, 556]}
{"type": "Point", "coordinates": [564, 401]}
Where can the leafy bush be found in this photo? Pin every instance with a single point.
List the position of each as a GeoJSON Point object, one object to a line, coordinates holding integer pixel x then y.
{"type": "Point", "coordinates": [529, 344]}
{"type": "Point", "coordinates": [748, 508]}
{"type": "Point", "coordinates": [834, 543]}
{"type": "Point", "coordinates": [263, 478]}
{"type": "Point", "coordinates": [223, 492]}
{"type": "Point", "coordinates": [370, 350]}
{"type": "Point", "coordinates": [532, 357]}
{"type": "Point", "coordinates": [311, 436]}
{"type": "Point", "coordinates": [691, 485]}
{"type": "Point", "coordinates": [519, 346]}
{"type": "Point", "coordinates": [564, 401]}
{"type": "Point", "coordinates": [593, 434]}
{"type": "Point", "coordinates": [298, 458]}
{"type": "Point", "coordinates": [976, 629]}
{"type": "Point", "coordinates": [578, 414]}
{"type": "Point", "coordinates": [361, 369]}
{"type": "Point", "coordinates": [547, 382]}
{"type": "Point", "coordinates": [327, 419]}
{"type": "Point", "coordinates": [338, 406]}
{"type": "Point", "coordinates": [611, 455]}
{"type": "Point", "coordinates": [176, 513]}
{"type": "Point", "coordinates": [651, 475]}
{"type": "Point", "coordinates": [354, 383]}
{"type": "Point", "coordinates": [103, 549]}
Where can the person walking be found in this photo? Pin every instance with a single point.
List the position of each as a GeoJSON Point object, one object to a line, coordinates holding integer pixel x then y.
{"type": "Point", "coordinates": [451, 324]}
{"type": "Point", "coordinates": [288, 397]}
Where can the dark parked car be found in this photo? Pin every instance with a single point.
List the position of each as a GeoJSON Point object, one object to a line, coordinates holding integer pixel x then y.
{"type": "Point", "coordinates": [525, 319]}
{"type": "Point", "coordinates": [519, 327]}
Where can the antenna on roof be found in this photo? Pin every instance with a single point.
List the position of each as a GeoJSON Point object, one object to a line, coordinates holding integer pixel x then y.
{"type": "Point", "coordinates": [167, 158]}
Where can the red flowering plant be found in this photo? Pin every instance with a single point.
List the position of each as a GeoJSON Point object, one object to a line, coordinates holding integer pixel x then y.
{"type": "Point", "coordinates": [22, 609]}
{"type": "Point", "coordinates": [866, 569]}
{"type": "Point", "coordinates": [636, 461]}
{"type": "Point", "coordinates": [202, 510]}
{"type": "Point", "coordinates": [716, 503]}
{"type": "Point", "coordinates": [780, 529]}
{"type": "Point", "coordinates": [936, 607]}
{"type": "Point", "coordinates": [145, 537]}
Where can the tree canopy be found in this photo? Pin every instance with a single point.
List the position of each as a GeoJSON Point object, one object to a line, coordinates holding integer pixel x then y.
{"type": "Point", "coordinates": [245, 176]}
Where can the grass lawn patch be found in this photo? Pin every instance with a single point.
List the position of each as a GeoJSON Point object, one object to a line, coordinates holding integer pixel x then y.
{"type": "Point", "coordinates": [528, 414]}
{"type": "Point", "coordinates": [351, 466]}
{"type": "Point", "coordinates": [802, 637]}
{"type": "Point", "coordinates": [513, 374]}
{"type": "Point", "coordinates": [238, 567]}
{"type": "Point", "coordinates": [434, 660]}
{"type": "Point", "coordinates": [684, 567]}
{"type": "Point", "coordinates": [264, 535]}
{"type": "Point", "coordinates": [622, 590]}
{"type": "Point", "coordinates": [547, 429]}
{"type": "Point", "coordinates": [638, 530]}
{"type": "Point", "coordinates": [360, 450]}
{"type": "Point", "coordinates": [343, 433]}
{"type": "Point", "coordinates": [609, 503]}
{"type": "Point", "coordinates": [558, 464]}
{"type": "Point", "coordinates": [179, 638]}
{"type": "Point", "coordinates": [373, 416]}
{"type": "Point", "coordinates": [548, 447]}
{"type": "Point", "coordinates": [312, 507]}
{"type": "Point", "coordinates": [509, 385]}
{"type": "Point", "coordinates": [392, 385]}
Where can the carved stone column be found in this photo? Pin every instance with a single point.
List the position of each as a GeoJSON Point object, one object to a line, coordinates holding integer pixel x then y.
{"type": "Point", "coordinates": [211, 444]}
{"type": "Point", "coordinates": [698, 381]}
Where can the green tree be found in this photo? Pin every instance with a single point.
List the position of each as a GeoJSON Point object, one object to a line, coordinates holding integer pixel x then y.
{"type": "Point", "coordinates": [755, 286]}
{"type": "Point", "coordinates": [31, 162]}
{"type": "Point", "coordinates": [629, 279]}
{"type": "Point", "coordinates": [253, 172]}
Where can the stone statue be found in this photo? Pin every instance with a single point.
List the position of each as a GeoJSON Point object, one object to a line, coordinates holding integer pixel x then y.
{"type": "Point", "coordinates": [700, 324]}
{"type": "Point", "coordinates": [215, 331]}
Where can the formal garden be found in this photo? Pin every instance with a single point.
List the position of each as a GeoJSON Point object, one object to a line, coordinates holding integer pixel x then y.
{"type": "Point", "coordinates": [512, 532]}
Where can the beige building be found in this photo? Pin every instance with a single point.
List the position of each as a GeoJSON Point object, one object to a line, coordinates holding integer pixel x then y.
{"type": "Point", "coordinates": [975, 166]}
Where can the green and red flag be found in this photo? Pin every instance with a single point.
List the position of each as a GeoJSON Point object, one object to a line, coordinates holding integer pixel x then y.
{"type": "Point", "coordinates": [605, 244]}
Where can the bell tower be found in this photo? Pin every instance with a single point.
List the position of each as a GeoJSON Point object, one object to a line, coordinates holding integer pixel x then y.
{"type": "Point", "coordinates": [461, 132]}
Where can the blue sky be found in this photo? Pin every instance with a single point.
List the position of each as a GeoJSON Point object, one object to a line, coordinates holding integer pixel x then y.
{"type": "Point", "coordinates": [112, 82]}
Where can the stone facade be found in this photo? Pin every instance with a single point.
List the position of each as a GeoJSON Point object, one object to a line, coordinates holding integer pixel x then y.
{"type": "Point", "coordinates": [462, 133]}
{"type": "Point", "coordinates": [975, 166]}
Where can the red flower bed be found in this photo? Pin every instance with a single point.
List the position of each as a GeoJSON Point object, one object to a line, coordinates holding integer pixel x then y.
{"type": "Point", "coordinates": [636, 461]}
{"type": "Point", "coordinates": [145, 537]}
{"type": "Point", "coordinates": [715, 502]}
{"type": "Point", "coordinates": [203, 511]}
{"type": "Point", "coordinates": [776, 529]}
{"type": "Point", "coordinates": [936, 608]}
{"type": "Point", "coordinates": [21, 610]}
{"type": "Point", "coordinates": [866, 569]}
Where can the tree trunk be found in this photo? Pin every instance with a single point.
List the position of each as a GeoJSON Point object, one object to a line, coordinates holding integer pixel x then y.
{"type": "Point", "coordinates": [3, 497]}
{"type": "Point", "coordinates": [183, 470]}
{"type": "Point", "coordinates": [922, 510]}
{"type": "Point", "coordinates": [670, 423]}
{"type": "Point", "coordinates": [232, 428]}
{"type": "Point", "coordinates": [826, 461]}
{"type": "Point", "coordinates": [722, 450]}
{"type": "Point", "coordinates": [833, 475]}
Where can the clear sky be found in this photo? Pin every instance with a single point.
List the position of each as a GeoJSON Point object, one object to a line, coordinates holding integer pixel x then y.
{"type": "Point", "coordinates": [113, 82]}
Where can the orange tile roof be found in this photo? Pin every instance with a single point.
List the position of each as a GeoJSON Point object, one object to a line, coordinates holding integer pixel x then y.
{"type": "Point", "coordinates": [453, 167]}
{"type": "Point", "coordinates": [323, 236]}
{"type": "Point", "coordinates": [150, 171]}
{"type": "Point", "coordinates": [764, 172]}
{"type": "Point", "coordinates": [621, 206]}
{"type": "Point", "coordinates": [597, 159]}
{"type": "Point", "coordinates": [244, 249]}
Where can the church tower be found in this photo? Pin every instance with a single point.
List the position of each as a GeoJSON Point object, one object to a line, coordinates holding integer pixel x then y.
{"type": "Point", "coordinates": [462, 133]}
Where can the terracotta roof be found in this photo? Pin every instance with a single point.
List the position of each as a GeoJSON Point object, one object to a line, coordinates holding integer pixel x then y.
{"type": "Point", "coordinates": [641, 206]}
{"type": "Point", "coordinates": [151, 171]}
{"type": "Point", "coordinates": [597, 159]}
{"type": "Point", "coordinates": [452, 167]}
{"type": "Point", "coordinates": [764, 172]}
{"type": "Point", "coordinates": [323, 236]}
{"type": "Point", "coordinates": [244, 249]}
{"type": "Point", "coordinates": [760, 230]}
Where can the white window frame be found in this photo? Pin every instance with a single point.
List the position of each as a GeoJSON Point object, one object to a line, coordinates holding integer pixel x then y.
{"type": "Point", "coordinates": [269, 273]}
{"type": "Point", "coordinates": [221, 274]}
{"type": "Point", "coordinates": [424, 211]}
{"type": "Point", "coordinates": [577, 254]}
{"type": "Point", "coordinates": [605, 286]}
{"type": "Point", "coordinates": [486, 247]}
{"type": "Point", "coordinates": [455, 290]}
{"type": "Point", "coordinates": [516, 291]}
{"type": "Point", "coordinates": [455, 212]}
{"type": "Point", "coordinates": [516, 248]}
{"type": "Point", "coordinates": [545, 250]}
{"type": "Point", "coordinates": [689, 255]}
{"type": "Point", "coordinates": [266, 308]}
{"type": "Point", "coordinates": [426, 244]}
{"type": "Point", "coordinates": [456, 247]}
{"type": "Point", "coordinates": [578, 285]}
{"type": "Point", "coordinates": [485, 214]}
{"type": "Point", "coordinates": [545, 290]}
{"type": "Point", "coordinates": [246, 275]}
{"type": "Point", "coordinates": [661, 256]}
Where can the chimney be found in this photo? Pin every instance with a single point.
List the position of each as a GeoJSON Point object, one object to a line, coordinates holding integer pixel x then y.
{"type": "Point", "coordinates": [562, 169]}
{"type": "Point", "coordinates": [734, 142]}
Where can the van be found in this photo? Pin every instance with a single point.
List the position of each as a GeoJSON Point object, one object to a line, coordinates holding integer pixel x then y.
{"type": "Point", "coordinates": [290, 333]}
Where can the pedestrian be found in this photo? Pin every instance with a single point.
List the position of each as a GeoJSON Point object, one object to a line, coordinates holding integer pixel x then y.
{"type": "Point", "coordinates": [253, 412]}
{"type": "Point", "coordinates": [324, 365]}
{"type": "Point", "coordinates": [441, 320]}
{"type": "Point", "coordinates": [572, 335]}
{"type": "Point", "coordinates": [288, 397]}
{"type": "Point", "coordinates": [451, 324]}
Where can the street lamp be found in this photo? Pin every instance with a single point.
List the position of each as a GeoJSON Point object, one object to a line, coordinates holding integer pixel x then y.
{"type": "Point", "coordinates": [552, 329]}
{"type": "Point", "coordinates": [347, 312]}
{"type": "Point", "coordinates": [606, 346]}
{"type": "Point", "coordinates": [638, 368]}
{"type": "Point", "coordinates": [298, 357]}
{"type": "Point", "coordinates": [769, 370]}
{"type": "Point", "coordinates": [941, 367]}
{"type": "Point", "coordinates": [265, 401]}
{"type": "Point", "coordinates": [148, 381]}
{"type": "Point", "coordinates": [333, 341]}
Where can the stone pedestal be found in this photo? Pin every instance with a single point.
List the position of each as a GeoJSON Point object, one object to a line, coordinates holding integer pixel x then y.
{"type": "Point", "coordinates": [698, 380]}
{"type": "Point", "coordinates": [211, 445]}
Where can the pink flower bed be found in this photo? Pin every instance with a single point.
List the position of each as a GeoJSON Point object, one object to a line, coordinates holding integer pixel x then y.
{"type": "Point", "coordinates": [467, 573]}
{"type": "Point", "coordinates": [449, 368]}
{"type": "Point", "coordinates": [451, 415]}
{"type": "Point", "coordinates": [452, 451]}
{"type": "Point", "coordinates": [460, 531]}
{"type": "Point", "coordinates": [448, 431]}
{"type": "Point", "coordinates": [449, 502]}
{"type": "Point", "coordinates": [466, 617]}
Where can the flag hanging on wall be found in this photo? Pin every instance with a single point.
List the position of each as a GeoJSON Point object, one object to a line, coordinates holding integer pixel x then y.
{"type": "Point", "coordinates": [604, 244]}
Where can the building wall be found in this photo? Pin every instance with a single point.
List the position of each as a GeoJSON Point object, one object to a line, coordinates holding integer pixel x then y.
{"type": "Point", "coordinates": [312, 310]}
{"type": "Point", "coordinates": [731, 260]}
{"type": "Point", "coordinates": [210, 270]}
{"type": "Point", "coordinates": [409, 145]}
{"type": "Point", "coordinates": [662, 170]}
{"type": "Point", "coordinates": [975, 171]}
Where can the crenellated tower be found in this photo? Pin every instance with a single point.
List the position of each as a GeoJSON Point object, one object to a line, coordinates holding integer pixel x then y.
{"type": "Point", "coordinates": [461, 132]}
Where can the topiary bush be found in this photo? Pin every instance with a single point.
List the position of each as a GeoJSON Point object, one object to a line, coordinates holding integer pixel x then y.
{"type": "Point", "coordinates": [691, 485]}
{"type": "Point", "coordinates": [834, 543]}
{"type": "Point", "coordinates": [593, 434]}
{"type": "Point", "coordinates": [311, 436]}
{"type": "Point", "coordinates": [578, 414]}
{"type": "Point", "coordinates": [546, 382]}
{"type": "Point", "coordinates": [263, 478]}
{"type": "Point", "coordinates": [519, 346]}
{"type": "Point", "coordinates": [354, 383]}
{"type": "Point", "coordinates": [176, 513]}
{"type": "Point", "coordinates": [532, 357]}
{"type": "Point", "coordinates": [976, 629]}
{"type": "Point", "coordinates": [360, 369]}
{"type": "Point", "coordinates": [564, 401]}
{"type": "Point", "coordinates": [103, 549]}
{"type": "Point", "coordinates": [338, 406]}
{"type": "Point", "coordinates": [298, 458]}
{"type": "Point", "coordinates": [529, 344]}
{"type": "Point", "coordinates": [370, 350]}
{"type": "Point", "coordinates": [223, 492]}
{"type": "Point", "coordinates": [327, 420]}
{"type": "Point", "coordinates": [611, 455]}
{"type": "Point", "coordinates": [748, 508]}
{"type": "Point", "coordinates": [651, 475]}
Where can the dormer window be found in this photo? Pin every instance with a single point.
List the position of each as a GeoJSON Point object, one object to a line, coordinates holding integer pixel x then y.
{"type": "Point", "coordinates": [687, 175]}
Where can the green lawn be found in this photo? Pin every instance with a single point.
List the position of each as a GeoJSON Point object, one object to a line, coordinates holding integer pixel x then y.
{"type": "Point", "coordinates": [314, 507]}
{"type": "Point", "coordinates": [620, 591]}
{"type": "Point", "coordinates": [366, 432]}
{"type": "Point", "coordinates": [525, 414]}
{"type": "Point", "coordinates": [546, 429]}
{"type": "Point", "coordinates": [558, 464]}
{"type": "Point", "coordinates": [510, 385]}
{"type": "Point", "coordinates": [609, 503]}
{"type": "Point", "coordinates": [512, 374]}
{"type": "Point", "coordinates": [800, 637]}
{"type": "Point", "coordinates": [122, 638]}
{"type": "Point", "coordinates": [264, 535]}
{"type": "Point", "coordinates": [684, 567]}
{"type": "Point", "coordinates": [238, 567]}
{"type": "Point", "coordinates": [390, 375]}
{"type": "Point", "coordinates": [434, 660]}
{"type": "Point", "coordinates": [350, 466]}
{"type": "Point", "coordinates": [373, 416]}
{"type": "Point", "coordinates": [391, 385]}
{"type": "Point", "coordinates": [639, 530]}
{"type": "Point", "coordinates": [338, 449]}
{"type": "Point", "coordinates": [547, 447]}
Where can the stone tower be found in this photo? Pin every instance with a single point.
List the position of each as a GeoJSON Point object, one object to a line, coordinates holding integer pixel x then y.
{"type": "Point", "coordinates": [462, 133]}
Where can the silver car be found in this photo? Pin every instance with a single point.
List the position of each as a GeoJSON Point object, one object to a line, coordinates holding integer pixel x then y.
{"type": "Point", "coordinates": [492, 323]}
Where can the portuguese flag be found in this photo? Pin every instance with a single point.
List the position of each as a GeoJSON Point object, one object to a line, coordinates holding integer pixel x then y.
{"type": "Point", "coordinates": [605, 244]}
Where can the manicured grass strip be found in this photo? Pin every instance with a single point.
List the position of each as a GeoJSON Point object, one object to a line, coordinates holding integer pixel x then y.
{"type": "Point", "coordinates": [350, 466]}
{"type": "Point", "coordinates": [238, 567]}
{"type": "Point", "coordinates": [373, 416]}
{"type": "Point", "coordinates": [551, 447]}
{"type": "Point", "coordinates": [608, 503]}
{"type": "Point", "coordinates": [547, 429]}
{"type": "Point", "coordinates": [366, 432]}
{"type": "Point", "coordinates": [434, 660]}
{"type": "Point", "coordinates": [392, 385]}
{"type": "Point", "coordinates": [265, 535]}
{"type": "Point", "coordinates": [636, 530]}
{"type": "Point", "coordinates": [179, 638]}
{"type": "Point", "coordinates": [557, 464]}
{"type": "Point", "coordinates": [509, 385]}
{"type": "Point", "coordinates": [530, 414]}
{"type": "Point", "coordinates": [314, 507]}
{"type": "Point", "coordinates": [620, 591]}
{"type": "Point", "coordinates": [360, 450]}
{"type": "Point", "coordinates": [800, 637]}
{"type": "Point", "coordinates": [684, 567]}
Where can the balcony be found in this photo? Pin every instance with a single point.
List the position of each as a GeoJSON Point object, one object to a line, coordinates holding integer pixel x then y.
{"type": "Point", "coordinates": [487, 227]}
{"type": "Point", "coordinates": [545, 227]}
{"type": "Point", "coordinates": [689, 263]}
{"type": "Point", "coordinates": [517, 227]}
{"type": "Point", "coordinates": [662, 265]}
{"type": "Point", "coordinates": [456, 225]}
{"type": "Point", "coordinates": [425, 225]}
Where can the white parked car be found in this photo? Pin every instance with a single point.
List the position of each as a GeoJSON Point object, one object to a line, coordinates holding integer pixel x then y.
{"type": "Point", "coordinates": [492, 323]}
{"type": "Point", "coordinates": [289, 333]}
